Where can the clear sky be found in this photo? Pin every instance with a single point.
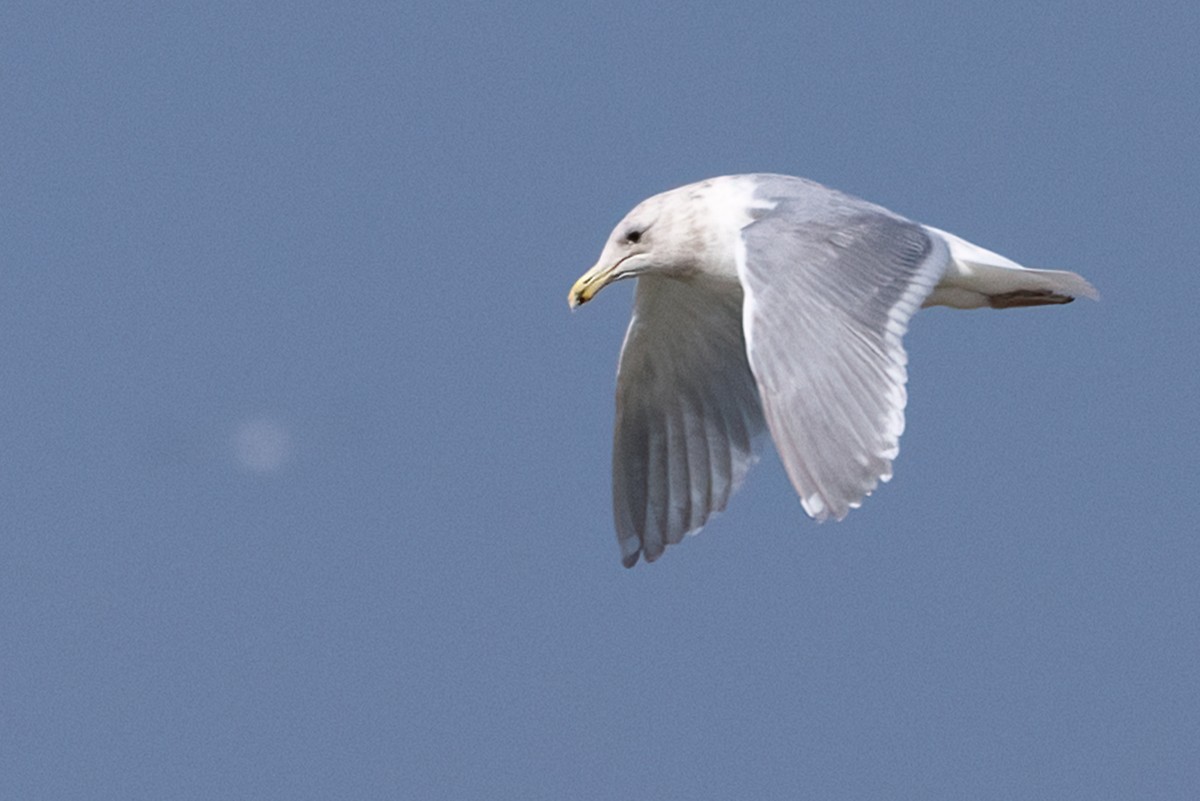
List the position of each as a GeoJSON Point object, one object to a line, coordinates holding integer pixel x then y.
{"type": "Point", "coordinates": [304, 463]}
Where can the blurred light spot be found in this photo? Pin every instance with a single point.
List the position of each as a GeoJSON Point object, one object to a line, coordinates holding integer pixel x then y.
{"type": "Point", "coordinates": [262, 445]}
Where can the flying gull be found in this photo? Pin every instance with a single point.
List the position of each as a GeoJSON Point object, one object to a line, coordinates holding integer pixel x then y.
{"type": "Point", "coordinates": [767, 301]}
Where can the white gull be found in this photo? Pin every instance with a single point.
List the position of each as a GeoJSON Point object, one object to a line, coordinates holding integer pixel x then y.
{"type": "Point", "coordinates": [772, 301]}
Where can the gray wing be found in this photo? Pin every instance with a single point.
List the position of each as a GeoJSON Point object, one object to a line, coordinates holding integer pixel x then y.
{"type": "Point", "coordinates": [687, 412]}
{"type": "Point", "coordinates": [828, 297]}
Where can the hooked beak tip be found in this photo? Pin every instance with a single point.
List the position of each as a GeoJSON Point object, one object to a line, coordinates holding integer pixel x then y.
{"type": "Point", "coordinates": [584, 289]}
{"type": "Point", "coordinates": [574, 299]}
{"type": "Point", "coordinates": [596, 279]}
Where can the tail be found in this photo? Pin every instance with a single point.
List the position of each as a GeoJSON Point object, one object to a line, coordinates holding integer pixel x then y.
{"type": "Point", "coordinates": [977, 277]}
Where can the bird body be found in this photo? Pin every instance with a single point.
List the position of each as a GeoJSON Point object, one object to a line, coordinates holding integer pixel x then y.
{"type": "Point", "coordinates": [773, 302]}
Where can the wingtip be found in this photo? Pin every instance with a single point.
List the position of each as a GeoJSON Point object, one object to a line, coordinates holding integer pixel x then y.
{"type": "Point", "coordinates": [631, 551]}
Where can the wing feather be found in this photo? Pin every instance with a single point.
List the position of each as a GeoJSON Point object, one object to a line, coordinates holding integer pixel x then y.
{"type": "Point", "coordinates": [828, 296]}
{"type": "Point", "coordinates": [687, 413]}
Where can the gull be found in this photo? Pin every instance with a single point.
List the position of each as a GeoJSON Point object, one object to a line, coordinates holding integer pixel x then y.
{"type": "Point", "coordinates": [773, 302]}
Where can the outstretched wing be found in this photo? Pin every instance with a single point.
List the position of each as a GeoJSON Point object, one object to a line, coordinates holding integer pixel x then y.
{"type": "Point", "coordinates": [828, 296]}
{"type": "Point", "coordinates": [687, 412]}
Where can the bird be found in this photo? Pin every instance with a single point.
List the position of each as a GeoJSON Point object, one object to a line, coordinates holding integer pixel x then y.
{"type": "Point", "coordinates": [771, 302]}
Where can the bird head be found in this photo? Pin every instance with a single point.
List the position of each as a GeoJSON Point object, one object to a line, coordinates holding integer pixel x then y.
{"type": "Point", "coordinates": [656, 237]}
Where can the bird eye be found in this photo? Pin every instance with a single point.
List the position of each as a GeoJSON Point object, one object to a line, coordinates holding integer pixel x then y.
{"type": "Point", "coordinates": [633, 236]}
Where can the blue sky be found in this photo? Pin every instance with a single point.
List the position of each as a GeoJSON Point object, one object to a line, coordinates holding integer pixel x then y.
{"type": "Point", "coordinates": [304, 463]}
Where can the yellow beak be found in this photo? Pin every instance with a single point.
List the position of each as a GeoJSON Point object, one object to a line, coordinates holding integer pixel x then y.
{"type": "Point", "coordinates": [594, 280]}
{"type": "Point", "coordinates": [589, 284]}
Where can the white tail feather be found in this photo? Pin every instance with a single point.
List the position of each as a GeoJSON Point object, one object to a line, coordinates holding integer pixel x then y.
{"type": "Point", "coordinates": [978, 277]}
